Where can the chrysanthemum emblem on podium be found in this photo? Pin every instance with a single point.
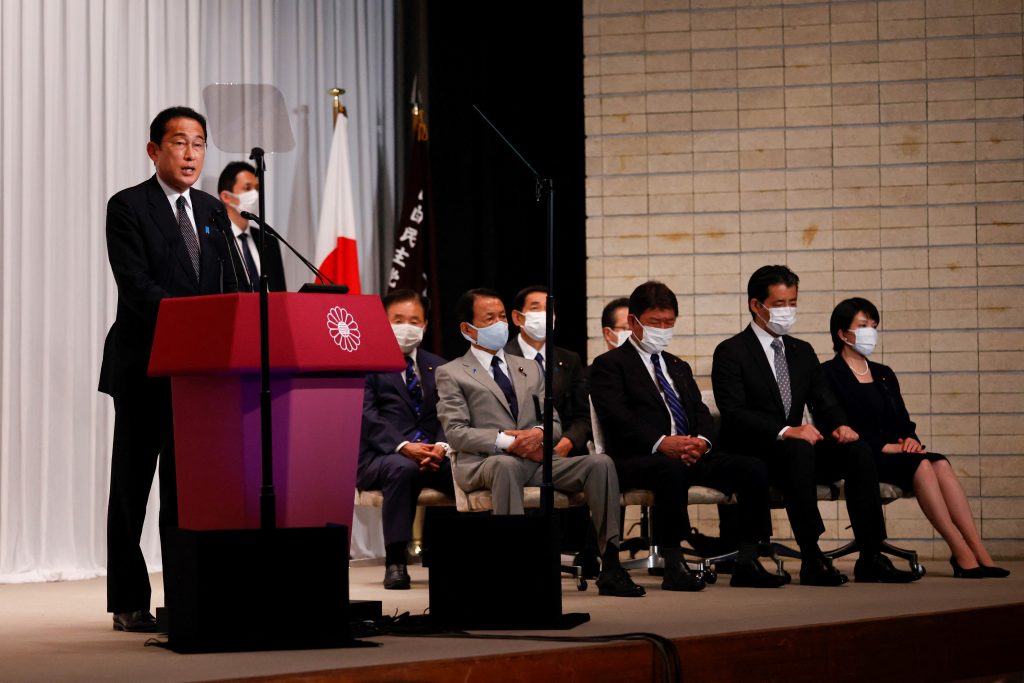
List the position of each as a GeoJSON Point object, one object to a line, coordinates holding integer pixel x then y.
{"type": "Point", "coordinates": [343, 328]}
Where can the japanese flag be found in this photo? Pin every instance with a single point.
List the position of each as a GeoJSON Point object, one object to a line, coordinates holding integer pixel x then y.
{"type": "Point", "coordinates": [336, 240]}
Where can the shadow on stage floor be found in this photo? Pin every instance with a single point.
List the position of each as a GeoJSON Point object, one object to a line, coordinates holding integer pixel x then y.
{"type": "Point", "coordinates": [939, 628]}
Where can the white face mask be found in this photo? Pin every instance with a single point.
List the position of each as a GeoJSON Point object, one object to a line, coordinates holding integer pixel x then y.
{"type": "Point", "coordinates": [536, 325]}
{"type": "Point", "coordinates": [247, 201]}
{"type": "Point", "coordinates": [622, 336]}
{"type": "Point", "coordinates": [656, 339]}
{"type": "Point", "coordinates": [493, 337]}
{"type": "Point", "coordinates": [866, 338]}
{"type": "Point", "coordinates": [408, 336]}
{"type": "Point", "coordinates": [781, 320]}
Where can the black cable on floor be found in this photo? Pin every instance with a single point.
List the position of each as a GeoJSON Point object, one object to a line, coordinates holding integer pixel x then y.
{"type": "Point", "coordinates": [422, 626]}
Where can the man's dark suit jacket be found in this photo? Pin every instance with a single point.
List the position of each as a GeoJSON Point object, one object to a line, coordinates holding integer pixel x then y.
{"type": "Point", "coordinates": [272, 264]}
{"type": "Point", "coordinates": [150, 262]}
{"type": "Point", "coordinates": [569, 392]}
{"type": "Point", "coordinates": [389, 417]}
{"type": "Point", "coordinates": [748, 395]}
{"type": "Point", "coordinates": [629, 405]}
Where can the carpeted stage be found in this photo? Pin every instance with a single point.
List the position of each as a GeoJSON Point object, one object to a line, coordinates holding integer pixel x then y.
{"type": "Point", "coordinates": [937, 629]}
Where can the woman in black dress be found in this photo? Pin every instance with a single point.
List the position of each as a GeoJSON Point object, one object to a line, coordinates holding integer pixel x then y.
{"type": "Point", "coordinates": [870, 394]}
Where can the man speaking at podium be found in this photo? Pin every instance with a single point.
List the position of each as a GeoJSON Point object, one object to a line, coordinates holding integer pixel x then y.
{"type": "Point", "coordinates": [161, 242]}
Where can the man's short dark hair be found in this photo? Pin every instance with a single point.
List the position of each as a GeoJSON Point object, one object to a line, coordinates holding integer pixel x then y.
{"type": "Point", "coordinates": [158, 128]}
{"type": "Point", "coordinates": [464, 307]}
{"type": "Point", "coordinates": [608, 314]}
{"type": "Point", "coordinates": [230, 174]}
{"type": "Point", "coordinates": [652, 294]}
{"type": "Point", "coordinates": [769, 276]}
{"type": "Point", "coordinates": [404, 294]}
{"type": "Point", "coordinates": [843, 315]}
{"type": "Point", "coordinates": [520, 300]}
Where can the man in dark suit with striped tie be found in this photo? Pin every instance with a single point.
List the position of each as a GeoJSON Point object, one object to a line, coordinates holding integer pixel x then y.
{"type": "Point", "coordinates": [658, 432]}
{"type": "Point", "coordinates": [239, 190]}
{"type": "Point", "coordinates": [402, 448]}
{"type": "Point", "coordinates": [161, 242]}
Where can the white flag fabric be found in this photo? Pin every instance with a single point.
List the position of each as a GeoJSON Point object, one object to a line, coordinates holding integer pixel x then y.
{"type": "Point", "coordinates": [336, 237]}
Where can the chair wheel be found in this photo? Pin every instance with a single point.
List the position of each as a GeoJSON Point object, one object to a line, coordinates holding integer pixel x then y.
{"type": "Point", "coordinates": [710, 577]}
{"type": "Point", "coordinates": [918, 569]}
{"type": "Point", "coordinates": [581, 585]}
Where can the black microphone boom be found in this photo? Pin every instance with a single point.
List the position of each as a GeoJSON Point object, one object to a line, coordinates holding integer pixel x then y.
{"type": "Point", "coordinates": [276, 235]}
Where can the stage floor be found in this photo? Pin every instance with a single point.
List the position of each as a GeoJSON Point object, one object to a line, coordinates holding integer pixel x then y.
{"type": "Point", "coordinates": [59, 631]}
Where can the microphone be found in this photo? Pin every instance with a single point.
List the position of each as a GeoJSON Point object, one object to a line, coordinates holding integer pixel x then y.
{"type": "Point", "coordinates": [221, 222]}
{"type": "Point", "coordinates": [276, 235]}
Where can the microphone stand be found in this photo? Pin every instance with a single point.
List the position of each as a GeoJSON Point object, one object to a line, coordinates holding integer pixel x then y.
{"type": "Point", "coordinates": [545, 187]}
{"type": "Point", "coordinates": [268, 503]}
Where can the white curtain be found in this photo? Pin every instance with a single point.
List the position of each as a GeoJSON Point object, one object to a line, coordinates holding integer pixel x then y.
{"type": "Point", "coordinates": [79, 83]}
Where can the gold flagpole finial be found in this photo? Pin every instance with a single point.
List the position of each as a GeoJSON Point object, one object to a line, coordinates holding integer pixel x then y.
{"type": "Point", "coordinates": [336, 105]}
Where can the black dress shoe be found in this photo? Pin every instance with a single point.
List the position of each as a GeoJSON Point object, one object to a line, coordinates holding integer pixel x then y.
{"type": "Point", "coordinates": [995, 572]}
{"type": "Point", "coordinates": [754, 575]}
{"type": "Point", "coordinates": [877, 568]}
{"type": "Point", "coordinates": [972, 573]}
{"type": "Point", "coordinates": [396, 578]}
{"type": "Point", "coordinates": [139, 621]}
{"type": "Point", "coordinates": [617, 582]}
{"type": "Point", "coordinates": [817, 571]}
{"type": "Point", "coordinates": [678, 577]}
{"type": "Point", "coordinates": [590, 568]}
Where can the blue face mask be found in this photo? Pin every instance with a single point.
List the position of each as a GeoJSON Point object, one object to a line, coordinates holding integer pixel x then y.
{"type": "Point", "coordinates": [493, 337]}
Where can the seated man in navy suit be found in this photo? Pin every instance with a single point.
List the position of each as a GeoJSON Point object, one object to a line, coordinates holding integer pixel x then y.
{"type": "Point", "coordinates": [402, 447]}
{"type": "Point", "coordinates": [658, 431]}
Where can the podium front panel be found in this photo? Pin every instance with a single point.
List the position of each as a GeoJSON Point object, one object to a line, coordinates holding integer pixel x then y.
{"type": "Point", "coordinates": [218, 451]}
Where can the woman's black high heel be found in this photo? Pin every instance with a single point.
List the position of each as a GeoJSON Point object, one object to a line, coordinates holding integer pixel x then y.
{"type": "Point", "coordinates": [994, 572]}
{"type": "Point", "coordinates": [961, 573]}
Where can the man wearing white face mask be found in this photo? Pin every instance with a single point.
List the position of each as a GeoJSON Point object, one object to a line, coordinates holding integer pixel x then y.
{"type": "Point", "coordinates": [239, 191]}
{"type": "Point", "coordinates": [569, 393]}
{"type": "Point", "coordinates": [490, 405]}
{"type": "Point", "coordinates": [614, 325]}
{"type": "Point", "coordinates": [763, 378]}
{"type": "Point", "coordinates": [569, 390]}
{"type": "Point", "coordinates": [402, 447]}
{"type": "Point", "coordinates": [658, 431]}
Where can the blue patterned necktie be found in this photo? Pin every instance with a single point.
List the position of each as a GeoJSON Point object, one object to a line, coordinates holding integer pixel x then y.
{"type": "Point", "coordinates": [188, 234]}
{"type": "Point", "coordinates": [503, 382]}
{"type": "Point", "coordinates": [412, 383]}
{"type": "Point", "coordinates": [540, 361]}
{"type": "Point", "coordinates": [782, 375]}
{"type": "Point", "coordinates": [251, 270]}
{"type": "Point", "coordinates": [674, 406]}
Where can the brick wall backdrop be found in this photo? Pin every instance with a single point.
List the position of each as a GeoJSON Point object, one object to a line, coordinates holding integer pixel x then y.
{"type": "Point", "coordinates": [877, 148]}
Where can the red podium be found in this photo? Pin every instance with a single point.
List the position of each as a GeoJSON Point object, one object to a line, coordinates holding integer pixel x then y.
{"type": "Point", "coordinates": [321, 346]}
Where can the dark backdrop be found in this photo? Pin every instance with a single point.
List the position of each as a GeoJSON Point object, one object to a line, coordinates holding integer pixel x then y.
{"type": "Point", "coordinates": [522, 64]}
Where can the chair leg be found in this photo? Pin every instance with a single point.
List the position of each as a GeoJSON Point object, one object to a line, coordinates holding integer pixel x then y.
{"type": "Point", "coordinates": [842, 551]}
{"type": "Point", "coordinates": [909, 555]}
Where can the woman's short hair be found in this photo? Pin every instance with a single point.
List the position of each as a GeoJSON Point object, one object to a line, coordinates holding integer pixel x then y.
{"type": "Point", "coordinates": [843, 315]}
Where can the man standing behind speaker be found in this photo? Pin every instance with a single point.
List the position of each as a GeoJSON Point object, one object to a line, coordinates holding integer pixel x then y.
{"type": "Point", "coordinates": [239, 189]}
{"type": "Point", "coordinates": [489, 404]}
{"type": "Point", "coordinates": [402, 447]}
{"type": "Point", "coordinates": [161, 243]}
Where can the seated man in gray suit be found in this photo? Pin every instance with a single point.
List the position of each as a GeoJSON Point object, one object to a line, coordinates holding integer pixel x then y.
{"type": "Point", "coordinates": [489, 405]}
